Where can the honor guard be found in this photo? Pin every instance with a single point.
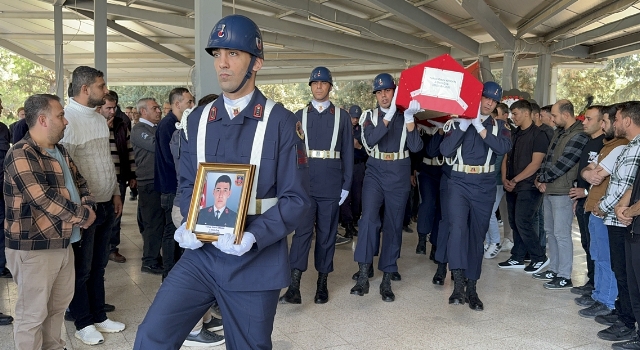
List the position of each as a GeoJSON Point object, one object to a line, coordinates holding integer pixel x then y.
{"type": "Point", "coordinates": [388, 135]}
{"type": "Point", "coordinates": [351, 209]}
{"type": "Point", "coordinates": [471, 190]}
{"type": "Point", "coordinates": [329, 143]}
{"type": "Point", "coordinates": [241, 127]}
{"type": "Point", "coordinates": [429, 174]}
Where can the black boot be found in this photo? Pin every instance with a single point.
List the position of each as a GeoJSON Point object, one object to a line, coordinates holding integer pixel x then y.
{"type": "Point", "coordinates": [354, 231]}
{"type": "Point", "coordinates": [471, 296]}
{"type": "Point", "coordinates": [457, 297]}
{"type": "Point", "coordinates": [362, 285]}
{"type": "Point", "coordinates": [348, 233]}
{"type": "Point", "coordinates": [432, 254]}
{"type": "Point", "coordinates": [422, 244]}
{"type": "Point", "coordinates": [322, 293]}
{"type": "Point", "coordinates": [438, 278]}
{"type": "Point", "coordinates": [385, 288]}
{"type": "Point", "coordinates": [370, 274]}
{"type": "Point", "coordinates": [292, 296]}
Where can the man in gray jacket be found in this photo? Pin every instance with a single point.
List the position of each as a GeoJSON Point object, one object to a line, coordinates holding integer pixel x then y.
{"type": "Point", "coordinates": [143, 140]}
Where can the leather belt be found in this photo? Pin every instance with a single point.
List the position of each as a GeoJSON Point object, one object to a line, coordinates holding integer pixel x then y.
{"type": "Point", "coordinates": [323, 154]}
{"type": "Point", "coordinates": [391, 155]}
{"type": "Point", "coordinates": [473, 169]}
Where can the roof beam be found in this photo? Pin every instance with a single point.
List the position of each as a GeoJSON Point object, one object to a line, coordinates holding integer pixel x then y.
{"type": "Point", "coordinates": [484, 15]}
{"type": "Point", "coordinates": [620, 52]}
{"type": "Point", "coordinates": [614, 27]}
{"type": "Point", "coordinates": [35, 15]}
{"type": "Point", "coordinates": [614, 44]}
{"type": "Point", "coordinates": [142, 39]}
{"type": "Point", "coordinates": [19, 50]}
{"type": "Point", "coordinates": [308, 7]}
{"type": "Point", "coordinates": [269, 64]}
{"type": "Point", "coordinates": [609, 8]}
{"type": "Point", "coordinates": [541, 17]}
{"type": "Point", "coordinates": [90, 37]}
{"type": "Point", "coordinates": [428, 23]}
{"type": "Point", "coordinates": [135, 13]}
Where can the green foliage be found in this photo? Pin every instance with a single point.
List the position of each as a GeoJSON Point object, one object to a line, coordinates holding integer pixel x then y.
{"type": "Point", "coordinates": [128, 95]}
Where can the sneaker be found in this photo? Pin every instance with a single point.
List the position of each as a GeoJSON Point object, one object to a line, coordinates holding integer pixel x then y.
{"type": "Point", "coordinates": [407, 229]}
{"type": "Point", "coordinates": [154, 269]}
{"type": "Point", "coordinates": [537, 266]}
{"type": "Point", "coordinates": [544, 276]}
{"type": "Point", "coordinates": [133, 198]}
{"type": "Point", "coordinates": [594, 310]}
{"type": "Point", "coordinates": [585, 300]}
{"type": "Point", "coordinates": [492, 250]}
{"type": "Point", "coordinates": [340, 240]}
{"type": "Point", "coordinates": [5, 273]}
{"type": "Point", "coordinates": [511, 264]}
{"type": "Point", "coordinates": [632, 344]}
{"type": "Point", "coordinates": [609, 319]}
{"type": "Point", "coordinates": [617, 332]}
{"type": "Point", "coordinates": [214, 325]}
{"type": "Point", "coordinates": [582, 290]}
{"type": "Point", "coordinates": [90, 335]}
{"type": "Point", "coordinates": [204, 338]}
{"type": "Point", "coordinates": [109, 326]}
{"type": "Point", "coordinates": [506, 245]}
{"type": "Point", "coordinates": [559, 283]}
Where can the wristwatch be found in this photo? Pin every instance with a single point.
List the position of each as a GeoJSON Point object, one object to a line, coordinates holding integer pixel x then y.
{"type": "Point", "coordinates": [586, 192]}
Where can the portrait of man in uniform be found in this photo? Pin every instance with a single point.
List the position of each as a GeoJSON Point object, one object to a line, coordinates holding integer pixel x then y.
{"type": "Point", "coordinates": [223, 212]}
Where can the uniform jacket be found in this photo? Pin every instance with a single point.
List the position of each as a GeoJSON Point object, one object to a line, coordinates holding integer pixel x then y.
{"type": "Point", "coordinates": [283, 174]}
{"type": "Point", "coordinates": [40, 212]}
{"type": "Point", "coordinates": [207, 216]}
{"type": "Point", "coordinates": [329, 176]}
{"type": "Point", "coordinates": [165, 180]}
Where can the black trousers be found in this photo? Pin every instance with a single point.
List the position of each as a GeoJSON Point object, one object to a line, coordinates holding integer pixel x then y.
{"type": "Point", "coordinates": [152, 215]}
{"type": "Point", "coordinates": [619, 267]}
{"type": "Point", "coordinates": [585, 237]}
{"type": "Point", "coordinates": [632, 254]}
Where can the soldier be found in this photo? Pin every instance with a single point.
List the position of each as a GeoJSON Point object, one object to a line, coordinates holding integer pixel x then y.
{"type": "Point", "coordinates": [329, 144]}
{"type": "Point", "coordinates": [351, 209]}
{"type": "Point", "coordinates": [472, 190]}
{"type": "Point", "coordinates": [241, 127]}
{"type": "Point", "coordinates": [388, 135]}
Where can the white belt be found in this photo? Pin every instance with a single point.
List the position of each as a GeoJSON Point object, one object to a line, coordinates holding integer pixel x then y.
{"type": "Point", "coordinates": [323, 154]}
{"type": "Point", "coordinates": [261, 205]}
{"type": "Point", "coordinates": [473, 169]}
{"type": "Point", "coordinates": [433, 161]}
{"type": "Point", "coordinates": [391, 155]}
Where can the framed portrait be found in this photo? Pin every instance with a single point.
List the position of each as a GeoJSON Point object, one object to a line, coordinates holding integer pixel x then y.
{"type": "Point", "coordinates": [220, 200]}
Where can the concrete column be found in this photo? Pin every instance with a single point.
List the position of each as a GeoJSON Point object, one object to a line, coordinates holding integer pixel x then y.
{"type": "Point", "coordinates": [59, 62]}
{"type": "Point", "coordinates": [507, 71]}
{"type": "Point", "coordinates": [514, 75]}
{"type": "Point", "coordinates": [100, 36]}
{"type": "Point", "coordinates": [208, 13]}
{"type": "Point", "coordinates": [485, 69]}
{"type": "Point", "coordinates": [543, 80]}
{"type": "Point", "coordinates": [553, 87]}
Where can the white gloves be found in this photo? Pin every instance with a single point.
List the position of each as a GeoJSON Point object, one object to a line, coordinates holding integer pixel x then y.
{"type": "Point", "coordinates": [185, 238]}
{"type": "Point", "coordinates": [343, 196]}
{"type": "Point", "coordinates": [437, 124]}
{"type": "Point", "coordinates": [463, 123]}
{"type": "Point", "coordinates": [226, 245]}
{"type": "Point", "coordinates": [392, 107]}
{"type": "Point", "coordinates": [477, 123]}
{"type": "Point", "coordinates": [414, 107]}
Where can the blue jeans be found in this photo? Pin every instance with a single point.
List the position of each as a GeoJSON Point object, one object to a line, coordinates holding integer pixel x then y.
{"type": "Point", "coordinates": [91, 257]}
{"type": "Point", "coordinates": [493, 234]}
{"type": "Point", "coordinates": [606, 286]}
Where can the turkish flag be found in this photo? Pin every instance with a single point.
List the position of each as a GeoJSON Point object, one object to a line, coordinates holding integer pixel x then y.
{"type": "Point", "coordinates": [442, 87]}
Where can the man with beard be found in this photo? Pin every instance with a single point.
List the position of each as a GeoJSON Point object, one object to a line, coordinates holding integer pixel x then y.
{"type": "Point", "coordinates": [86, 138]}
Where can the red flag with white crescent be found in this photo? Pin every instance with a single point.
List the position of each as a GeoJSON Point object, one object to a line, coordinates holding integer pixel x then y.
{"type": "Point", "coordinates": [203, 199]}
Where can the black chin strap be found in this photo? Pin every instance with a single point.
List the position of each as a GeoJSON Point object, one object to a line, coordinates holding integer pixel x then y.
{"type": "Point", "coordinates": [246, 76]}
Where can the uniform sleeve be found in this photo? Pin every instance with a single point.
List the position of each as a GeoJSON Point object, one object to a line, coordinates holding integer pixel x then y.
{"type": "Point", "coordinates": [373, 134]}
{"type": "Point", "coordinates": [501, 143]}
{"type": "Point", "coordinates": [346, 150]}
{"type": "Point", "coordinates": [414, 141]}
{"type": "Point", "coordinates": [452, 140]}
{"type": "Point", "coordinates": [433, 147]}
{"type": "Point", "coordinates": [292, 190]}
{"type": "Point", "coordinates": [141, 137]}
{"type": "Point", "coordinates": [187, 172]}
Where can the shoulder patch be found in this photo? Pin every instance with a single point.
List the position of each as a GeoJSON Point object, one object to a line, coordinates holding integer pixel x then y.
{"type": "Point", "coordinates": [301, 157]}
{"type": "Point", "coordinates": [299, 130]}
{"type": "Point", "coordinates": [257, 111]}
{"type": "Point", "coordinates": [212, 114]}
{"type": "Point", "coordinates": [332, 110]}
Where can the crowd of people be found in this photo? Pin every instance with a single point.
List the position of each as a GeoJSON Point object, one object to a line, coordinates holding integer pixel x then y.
{"type": "Point", "coordinates": [67, 171]}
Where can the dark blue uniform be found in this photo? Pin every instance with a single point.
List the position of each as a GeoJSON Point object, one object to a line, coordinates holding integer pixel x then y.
{"type": "Point", "coordinates": [328, 177]}
{"type": "Point", "coordinates": [471, 195]}
{"type": "Point", "coordinates": [429, 175]}
{"type": "Point", "coordinates": [246, 287]}
{"type": "Point", "coordinates": [442, 234]}
{"type": "Point", "coordinates": [386, 182]}
{"type": "Point", "coordinates": [351, 209]}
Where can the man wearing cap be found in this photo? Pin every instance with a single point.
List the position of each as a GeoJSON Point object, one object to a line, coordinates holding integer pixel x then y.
{"type": "Point", "coordinates": [328, 140]}
{"type": "Point", "coordinates": [241, 127]}
{"type": "Point", "coordinates": [388, 135]}
{"type": "Point", "coordinates": [351, 209]}
{"type": "Point", "coordinates": [472, 190]}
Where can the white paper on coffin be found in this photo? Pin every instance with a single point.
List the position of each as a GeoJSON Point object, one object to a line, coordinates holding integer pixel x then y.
{"type": "Point", "coordinates": [442, 84]}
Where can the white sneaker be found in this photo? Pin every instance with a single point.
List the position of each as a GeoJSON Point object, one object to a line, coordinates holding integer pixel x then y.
{"type": "Point", "coordinates": [486, 246]}
{"type": "Point", "coordinates": [492, 251]}
{"type": "Point", "coordinates": [89, 335]}
{"type": "Point", "coordinates": [108, 326]}
{"type": "Point", "coordinates": [506, 245]}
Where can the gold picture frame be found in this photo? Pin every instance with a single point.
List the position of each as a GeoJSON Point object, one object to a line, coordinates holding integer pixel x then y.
{"type": "Point", "coordinates": [220, 200]}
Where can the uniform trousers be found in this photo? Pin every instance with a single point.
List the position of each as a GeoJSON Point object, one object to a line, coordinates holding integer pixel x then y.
{"type": "Point", "coordinates": [443, 227]}
{"type": "Point", "coordinates": [558, 217]}
{"type": "Point", "coordinates": [187, 293]}
{"type": "Point", "coordinates": [632, 253]}
{"type": "Point", "coordinates": [351, 209]}
{"type": "Point", "coordinates": [471, 199]}
{"type": "Point", "coordinates": [617, 246]}
{"type": "Point", "coordinates": [429, 214]}
{"type": "Point", "coordinates": [606, 287]}
{"type": "Point", "coordinates": [45, 280]}
{"type": "Point", "coordinates": [323, 215]}
{"type": "Point", "coordinates": [378, 192]}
